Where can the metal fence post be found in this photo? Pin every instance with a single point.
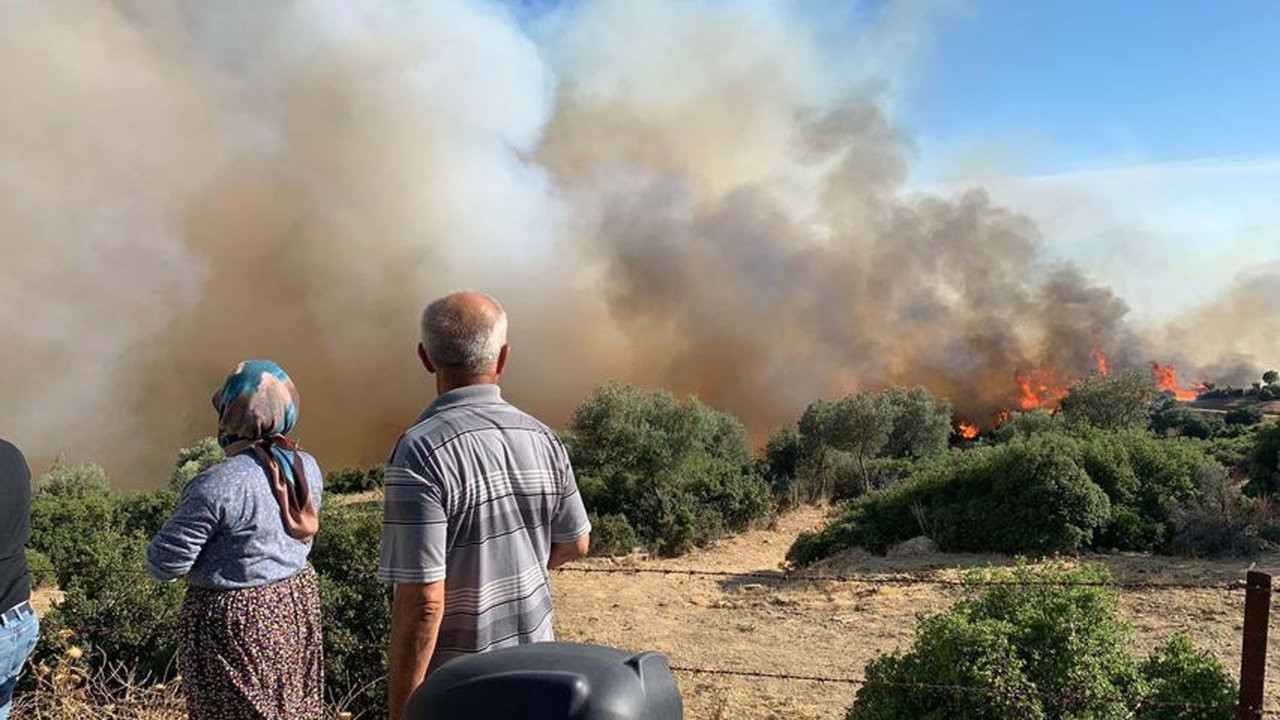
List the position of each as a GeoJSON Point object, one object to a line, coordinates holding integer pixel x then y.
{"type": "Point", "coordinates": [1253, 653]}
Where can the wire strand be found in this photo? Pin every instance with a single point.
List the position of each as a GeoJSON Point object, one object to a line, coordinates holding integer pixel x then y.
{"type": "Point", "coordinates": [789, 577]}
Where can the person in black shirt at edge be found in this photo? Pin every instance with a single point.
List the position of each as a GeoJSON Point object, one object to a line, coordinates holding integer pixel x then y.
{"type": "Point", "coordinates": [19, 627]}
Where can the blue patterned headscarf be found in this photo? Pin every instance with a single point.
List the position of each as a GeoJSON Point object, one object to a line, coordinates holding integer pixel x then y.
{"type": "Point", "coordinates": [257, 408]}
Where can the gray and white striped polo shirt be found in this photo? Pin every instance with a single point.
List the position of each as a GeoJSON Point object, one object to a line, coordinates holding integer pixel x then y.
{"type": "Point", "coordinates": [476, 493]}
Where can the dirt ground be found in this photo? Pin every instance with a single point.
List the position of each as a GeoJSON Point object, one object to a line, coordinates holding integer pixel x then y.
{"type": "Point", "coordinates": [832, 629]}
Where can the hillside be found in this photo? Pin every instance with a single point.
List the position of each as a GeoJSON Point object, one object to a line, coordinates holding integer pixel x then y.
{"type": "Point", "coordinates": [831, 629]}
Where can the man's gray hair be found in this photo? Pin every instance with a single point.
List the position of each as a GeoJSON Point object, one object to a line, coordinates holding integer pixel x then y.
{"type": "Point", "coordinates": [465, 331]}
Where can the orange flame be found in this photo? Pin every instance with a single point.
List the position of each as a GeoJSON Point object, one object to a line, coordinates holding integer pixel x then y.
{"type": "Point", "coordinates": [1166, 379]}
{"type": "Point", "coordinates": [1039, 388]}
{"type": "Point", "coordinates": [968, 431]}
{"type": "Point", "coordinates": [1100, 360]}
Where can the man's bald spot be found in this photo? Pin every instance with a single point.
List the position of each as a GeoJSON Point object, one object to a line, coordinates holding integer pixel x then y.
{"type": "Point", "coordinates": [472, 307]}
{"type": "Point", "coordinates": [465, 331]}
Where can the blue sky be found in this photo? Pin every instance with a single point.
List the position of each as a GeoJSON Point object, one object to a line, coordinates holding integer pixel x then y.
{"type": "Point", "coordinates": [1087, 83]}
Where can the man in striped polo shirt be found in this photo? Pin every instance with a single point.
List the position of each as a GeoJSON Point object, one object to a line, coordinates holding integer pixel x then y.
{"type": "Point", "coordinates": [480, 501]}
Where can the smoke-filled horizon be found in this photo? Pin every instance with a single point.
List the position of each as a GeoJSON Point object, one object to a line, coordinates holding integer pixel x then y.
{"type": "Point", "coordinates": [686, 195]}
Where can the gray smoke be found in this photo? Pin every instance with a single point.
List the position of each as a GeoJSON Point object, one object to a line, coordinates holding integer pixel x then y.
{"type": "Point", "coordinates": [692, 195]}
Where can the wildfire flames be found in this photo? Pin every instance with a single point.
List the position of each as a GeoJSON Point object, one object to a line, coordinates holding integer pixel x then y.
{"type": "Point", "coordinates": [1101, 361]}
{"type": "Point", "coordinates": [1040, 388]}
{"type": "Point", "coordinates": [1044, 388]}
{"type": "Point", "coordinates": [968, 431]}
{"type": "Point", "coordinates": [1166, 379]}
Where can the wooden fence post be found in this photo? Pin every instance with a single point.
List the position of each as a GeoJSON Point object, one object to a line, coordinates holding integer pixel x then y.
{"type": "Point", "coordinates": [1253, 653]}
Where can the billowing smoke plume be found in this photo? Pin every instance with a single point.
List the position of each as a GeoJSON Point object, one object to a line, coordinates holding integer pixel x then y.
{"type": "Point", "coordinates": [682, 194]}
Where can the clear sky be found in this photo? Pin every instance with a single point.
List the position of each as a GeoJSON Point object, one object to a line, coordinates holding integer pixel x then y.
{"type": "Point", "coordinates": [1081, 84]}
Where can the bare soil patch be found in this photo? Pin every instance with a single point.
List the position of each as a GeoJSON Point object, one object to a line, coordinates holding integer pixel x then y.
{"type": "Point", "coordinates": [834, 629]}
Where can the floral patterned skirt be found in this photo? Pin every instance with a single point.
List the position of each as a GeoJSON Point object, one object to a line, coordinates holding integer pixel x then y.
{"type": "Point", "coordinates": [253, 654]}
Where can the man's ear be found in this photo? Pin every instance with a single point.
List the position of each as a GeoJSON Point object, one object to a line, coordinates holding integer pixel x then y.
{"type": "Point", "coordinates": [426, 361]}
{"type": "Point", "coordinates": [502, 359]}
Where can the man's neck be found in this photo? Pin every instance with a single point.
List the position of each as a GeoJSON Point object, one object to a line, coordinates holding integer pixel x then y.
{"type": "Point", "coordinates": [445, 382]}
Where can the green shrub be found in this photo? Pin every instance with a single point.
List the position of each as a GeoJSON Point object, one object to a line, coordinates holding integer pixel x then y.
{"type": "Point", "coordinates": [354, 480]}
{"type": "Point", "coordinates": [1264, 462]}
{"type": "Point", "coordinates": [1046, 492]}
{"type": "Point", "coordinates": [115, 612]}
{"type": "Point", "coordinates": [680, 473]}
{"type": "Point", "coordinates": [68, 530]}
{"type": "Point", "coordinates": [1234, 452]}
{"type": "Point", "coordinates": [899, 423]}
{"type": "Point", "coordinates": [1181, 421]}
{"type": "Point", "coordinates": [1112, 402]}
{"type": "Point", "coordinates": [73, 481]}
{"type": "Point", "coordinates": [1029, 495]}
{"type": "Point", "coordinates": [356, 607]}
{"type": "Point", "coordinates": [782, 455]}
{"type": "Point", "coordinates": [1144, 478]}
{"type": "Point", "coordinates": [1038, 648]}
{"type": "Point", "coordinates": [612, 535]}
{"type": "Point", "coordinates": [41, 568]}
{"type": "Point", "coordinates": [1246, 416]}
{"type": "Point", "coordinates": [1178, 673]}
{"type": "Point", "coordinates": [143, 514]}
{"type": "Point", "coordinates": [192, 461]}
{"type": "Point", "coordinates": [1025, 423]}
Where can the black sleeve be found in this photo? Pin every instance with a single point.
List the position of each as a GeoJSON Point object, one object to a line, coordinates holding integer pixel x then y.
{"type": "Point", "coordinates": [15, 488]}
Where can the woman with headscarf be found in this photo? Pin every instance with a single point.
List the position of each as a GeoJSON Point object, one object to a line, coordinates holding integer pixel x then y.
{"type": "Point", "coordinates": [249, 635]}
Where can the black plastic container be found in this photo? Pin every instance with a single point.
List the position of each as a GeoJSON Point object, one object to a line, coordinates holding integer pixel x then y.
{"type": "Point", "coordinates": [550, 681]}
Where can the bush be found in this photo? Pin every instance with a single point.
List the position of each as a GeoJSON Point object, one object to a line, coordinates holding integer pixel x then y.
{"type": "Point", "coordinates": [1181, 421]}
{"type": "Point", "coordinates": [782, 455]}
{"type": "Point", "coordinates": [41, 568]}
{"type": "Point", "coordinates": [680, 473]}
{"type": "Point", "coordinates": [1246, 416]}
{"type": "Point", "coordinates": [841, 441]}
{"type": "Point", "coordinates": [1270, 377]}
{"type": "Point", "coordinates": [117, 614]}
{"type": "Point", "coordinates": [1144, 478]}
{"type": "Point", "coordinates": [612, 535]}
{"type": "Point", "coordinates": [1029, 495]}
{"type": "Point", "coordinates": [1113, 402]}
{"type": "Point", "coordinates": [73, 481]}
{"type": "Point", "coordinates": [194, 460]}
{"type": "Point", "coordinates": [1025, 423]}
{"type": "Point", "coordinates": [143, 514]}
{"type": "Point", "coordinates": [356, 607]}
{"type": "Point", "coordinates": [1264, 462]}
{"type": "Point", "coordinates": [354, 480]}
{"type": "Point", "coordinates": [68, 530]}
{"type": "Point", "coordinates": [1044, 493]}
{"type": "Point", "coordinates": [1038, 650]}
{"type": "Point", "coordinates": [1220, 520]}
{"type": "Point", "coordinates": [1234, 452]}
{"type": "Point", "coordinates": [1176, 672]}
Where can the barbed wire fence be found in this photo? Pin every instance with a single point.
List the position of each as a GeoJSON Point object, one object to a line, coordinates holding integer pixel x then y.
{"type": "Point", "coordinates": [1257, 588]}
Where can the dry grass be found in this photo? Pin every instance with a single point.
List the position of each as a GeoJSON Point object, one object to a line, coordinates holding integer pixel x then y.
{"type": "Point", "coordinates": [65, 691]}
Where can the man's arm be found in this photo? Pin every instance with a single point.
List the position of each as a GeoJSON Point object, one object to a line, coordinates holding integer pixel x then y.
{"type": "Point", "coordinates": [416, 613]}
{"type": "Point", "coordinates": [570, 527]}
{"type": "Point", "coordinates": [562, 553]}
